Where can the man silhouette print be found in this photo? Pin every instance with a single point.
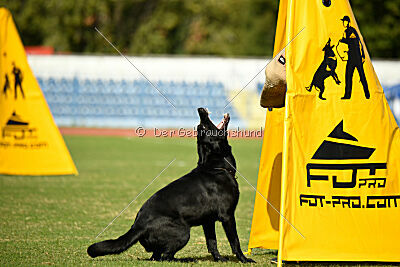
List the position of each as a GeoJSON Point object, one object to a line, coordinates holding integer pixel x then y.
{"type": "Point", "coordinates": [356, 57]}
{"type": "Point", "coordinates": [18, 80]}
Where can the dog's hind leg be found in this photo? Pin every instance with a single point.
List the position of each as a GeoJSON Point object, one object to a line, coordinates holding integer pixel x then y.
{"type": "Point", "coordinates": [170, 238]}
{"type": "Point", "coordinates": [211, 239]}
{"type": "Point", "coordinates": [169, 256]}
{"type": "Point", "coordinates": [175, 244]}
{"type": "Point", "coordinates": [229, 224]}
{"type": "Point", "coordinates": [321, 92]}
{"type": "Point", "coordinates": [156, 256]}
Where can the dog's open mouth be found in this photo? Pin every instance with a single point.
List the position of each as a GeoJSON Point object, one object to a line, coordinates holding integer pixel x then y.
{"type": "Point", "coordinates": [223, 122]}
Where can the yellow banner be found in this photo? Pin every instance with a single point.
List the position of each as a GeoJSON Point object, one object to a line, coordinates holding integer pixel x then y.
{"type": "Point", "coordinates": [265, 223]}
{"type": "Point", "coordinates": [341, 153]}
{"type": "Point", "coordinates": [30, 143]}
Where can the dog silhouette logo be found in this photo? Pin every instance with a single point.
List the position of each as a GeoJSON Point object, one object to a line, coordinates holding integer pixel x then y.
{"type": "Point", "coordinates": [326, 69]}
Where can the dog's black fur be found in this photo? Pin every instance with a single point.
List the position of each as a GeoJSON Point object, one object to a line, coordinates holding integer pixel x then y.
{"type": "Point", "coordinates": [207, 194]}
{"type": "Point", "coordinates": [326, 68]}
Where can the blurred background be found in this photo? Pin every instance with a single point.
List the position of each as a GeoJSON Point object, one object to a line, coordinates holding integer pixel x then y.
{"type": "Point", "coordinates": [198, 53]}
{"type": "Point", "coordinates": [196, 27]}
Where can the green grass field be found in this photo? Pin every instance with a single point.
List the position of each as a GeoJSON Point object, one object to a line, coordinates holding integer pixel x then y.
{"type": "Point", "coordinates": [52, 220]}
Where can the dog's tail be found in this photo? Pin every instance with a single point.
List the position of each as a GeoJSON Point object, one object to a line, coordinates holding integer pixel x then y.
{"type": "Point", "coordinates": [115, 246]}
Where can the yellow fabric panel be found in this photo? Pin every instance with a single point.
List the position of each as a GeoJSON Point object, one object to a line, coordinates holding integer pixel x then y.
{"type": "Point", "coordinates": [280, 33]}
{"type": "Point", "coordinates": [341, 160]}
{"type": "Point", "coordinates": [30, 143]}
{"type": "Point", "coordinates": [265, 223]}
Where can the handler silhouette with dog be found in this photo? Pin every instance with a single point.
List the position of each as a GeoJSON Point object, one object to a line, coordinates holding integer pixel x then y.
{"type": "Point", "coordinates": [355, 60]}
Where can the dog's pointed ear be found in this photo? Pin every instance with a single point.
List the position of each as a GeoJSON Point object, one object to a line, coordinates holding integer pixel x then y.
{"type": "Point", "coordinates": [203, 114]}
{"type": "Point", "coordinates": [328, 44]}
{"type": "Point", "coordinates": [227, 120]}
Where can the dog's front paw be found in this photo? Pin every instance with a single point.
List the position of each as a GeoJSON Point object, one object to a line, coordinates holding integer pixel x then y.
{"type": "Point", "coordinates": [246, 260]}
{"type": "Point", "coordinates": [220, 258]}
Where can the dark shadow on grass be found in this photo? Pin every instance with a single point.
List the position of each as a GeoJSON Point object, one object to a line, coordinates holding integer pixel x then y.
{"type": "Point", "coordinates": [261, 251]}
{"type": "Point", "coordinates": [197, 259]}
{"type": "Point", "coordinates": [341, 263]}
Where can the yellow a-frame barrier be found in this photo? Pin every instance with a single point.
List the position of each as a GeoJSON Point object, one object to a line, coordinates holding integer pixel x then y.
{"type": "Point", "coordinates": [30, 142]}
{"type": "Point", "coordinates": [338, 183]}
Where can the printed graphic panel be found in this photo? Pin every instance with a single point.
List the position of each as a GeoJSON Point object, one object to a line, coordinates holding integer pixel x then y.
{"type": "Point", "coordinates": [340, 185]}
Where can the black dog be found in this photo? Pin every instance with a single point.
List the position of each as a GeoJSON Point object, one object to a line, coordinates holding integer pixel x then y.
{"type": "Point", "coordinates": [207, 194]}
{"type": "Point", "coordinates": [326, 69]}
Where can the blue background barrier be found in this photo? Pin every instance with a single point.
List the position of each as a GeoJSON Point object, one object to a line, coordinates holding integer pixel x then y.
{"type": "Point", "coordinates": [133, 103]}
{"type": "Point", "coordinates": [106, 91]}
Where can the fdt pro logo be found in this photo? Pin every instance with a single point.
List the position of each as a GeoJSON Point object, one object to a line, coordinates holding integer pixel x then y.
{"type": "Point", "coordinates": [335, 149]}
{"type": "Point", "coordinates": [17, 128]}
